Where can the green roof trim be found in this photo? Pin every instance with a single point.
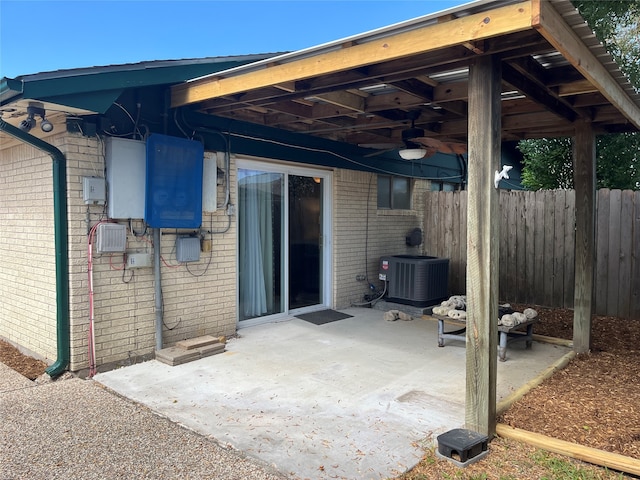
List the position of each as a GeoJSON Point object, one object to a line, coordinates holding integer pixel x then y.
{"type": "Point", "coordinates": [9, 88]}
{"type": "Point", "coordinates": [96, 88]}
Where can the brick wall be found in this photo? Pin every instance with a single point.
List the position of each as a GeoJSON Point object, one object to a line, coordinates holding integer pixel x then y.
{"type": "Point", "coordinates": [27, 257]}
{"type": "Point", "coordinates": [198, 298]}
{"type": "Point", "coordinates": [357, 252]}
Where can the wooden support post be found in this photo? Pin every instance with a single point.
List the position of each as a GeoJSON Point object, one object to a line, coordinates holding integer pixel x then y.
{"type": "Point", "coordinates": [584, 179]}
{"type": "Point", "coordinates": [483, 237]}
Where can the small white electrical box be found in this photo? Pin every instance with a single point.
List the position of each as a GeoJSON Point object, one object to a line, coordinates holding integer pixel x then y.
{"type": "Point", "coordinates": [187, 249]}
{"type": "Point", "coordinates": [139, 260]}
{"type": "Point", "coordinates": [209, 182]}
{"type": "Point", "coordinates": [94, 190]}
{"type": "Point", "coordinates": [111, 238]}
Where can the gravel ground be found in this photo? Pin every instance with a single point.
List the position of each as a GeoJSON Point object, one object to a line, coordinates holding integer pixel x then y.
{"type": "Point", "coordinates": [76, 429]}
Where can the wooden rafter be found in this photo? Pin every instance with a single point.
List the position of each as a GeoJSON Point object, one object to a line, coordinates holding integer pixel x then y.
{"type": "Point", "coordinates": [500, 21]}
{"type": "Point", "coordinates": [367, 86]}
{"type": "Point", "coordinates": [551, 25]}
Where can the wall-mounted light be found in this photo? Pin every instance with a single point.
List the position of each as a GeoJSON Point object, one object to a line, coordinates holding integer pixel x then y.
{"type": "Point", "coordinates": [46, 125]}
{"type": "Point", "coordinates": [28, 123]}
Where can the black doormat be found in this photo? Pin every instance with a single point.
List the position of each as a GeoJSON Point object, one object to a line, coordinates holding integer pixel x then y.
{"type": "Point", "coordinates": [323, 316]}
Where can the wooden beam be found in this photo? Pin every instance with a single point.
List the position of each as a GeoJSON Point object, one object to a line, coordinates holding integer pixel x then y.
{"type": "Point", "coordinates": [483, 252]}
{"type": "Point", "coordinates": [500, 21]}
{"type": "Point", "coordinates": [584, 180]}
{"type": "Point", "coordinates": [553, 27]}
{"type": "Point", "coordinates": [602, 458]}
{"type": "Point", "coordinates": [450, 92]}
{"type": "Point", "coordinates": [392, 100]}
{"type": "Point", "coordinates": [345, 100]}
{"type": "Point", "coordinates": [536, 92]}
{"type": "Point", "coordinates": [415, 87]}
{"type": "Point", "coordinates": [577, 87]}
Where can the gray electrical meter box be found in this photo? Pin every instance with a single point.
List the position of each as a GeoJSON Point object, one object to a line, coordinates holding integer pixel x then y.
{"type": "Point", "coordinates": [93, 190]}
{"type": "Point", "coordinates": [188, 249]}
{"type": "Point", "coordinates": [126, 162]}
{"type": "Point", "coordinates": [111, 238]}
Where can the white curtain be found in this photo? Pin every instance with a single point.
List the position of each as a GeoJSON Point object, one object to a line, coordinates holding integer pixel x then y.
{"type": "Point", "coordinates": [256, 243]}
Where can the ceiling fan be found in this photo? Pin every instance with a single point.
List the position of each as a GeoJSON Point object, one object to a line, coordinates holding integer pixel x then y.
{"type": "Point", "coordinates": [417, 146]}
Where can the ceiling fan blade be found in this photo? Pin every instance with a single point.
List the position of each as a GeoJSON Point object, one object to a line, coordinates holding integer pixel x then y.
{"type": "Point", "coordinates": [441, 146]}
{"type": "Point", "coordinates": [431, 151]}
{"type": "Point", "coordinates": [380, 152]}
{"type": "Point", "coordinates": [458, 148]}
{"type": "Point", "coordinates": [380, 146]}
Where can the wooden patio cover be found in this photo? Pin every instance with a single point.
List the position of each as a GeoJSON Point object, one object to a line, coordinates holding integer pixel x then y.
{"type": "Point", "coordinates": [479, 74]}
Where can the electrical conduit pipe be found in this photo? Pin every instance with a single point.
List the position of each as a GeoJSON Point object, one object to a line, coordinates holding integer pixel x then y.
{"type": "Point", "coordinates": [60, 240]}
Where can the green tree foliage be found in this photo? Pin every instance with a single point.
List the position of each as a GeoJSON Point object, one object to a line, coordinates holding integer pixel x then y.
{"type": "Point", "coordinates": [548, 162]}
{"type": "Point", "coordinates": [617, 24]}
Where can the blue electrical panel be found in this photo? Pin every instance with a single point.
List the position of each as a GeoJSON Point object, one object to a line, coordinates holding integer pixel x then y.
{"type": "Point", "coordinates": [174, 182]}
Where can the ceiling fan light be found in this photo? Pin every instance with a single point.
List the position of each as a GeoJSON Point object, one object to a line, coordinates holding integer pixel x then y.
{"type": "Point", "coordinates": [412, 153]}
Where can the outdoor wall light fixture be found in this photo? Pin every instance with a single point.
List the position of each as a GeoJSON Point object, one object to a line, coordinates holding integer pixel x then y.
{"type": "Point", "coordinates": [28, 123]}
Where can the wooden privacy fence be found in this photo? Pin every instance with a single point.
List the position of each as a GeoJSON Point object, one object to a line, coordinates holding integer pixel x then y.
{"type": "Point", "coordinates": [537, 239]}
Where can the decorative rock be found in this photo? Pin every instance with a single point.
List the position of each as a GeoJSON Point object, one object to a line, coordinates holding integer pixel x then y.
{"type": "Point", "coordinates": [457, 314]}
{"type": "Point", "coordinates": [508, 320]}
{"type": "Point", "coordinates": [391, 315]}
{"type": "Point", "coordinates": [519, 317]}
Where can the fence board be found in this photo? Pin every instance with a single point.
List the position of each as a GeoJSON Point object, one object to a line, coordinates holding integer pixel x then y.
{"type": "Point", "coordinates": [614, 249]}
{"type": "Point", "coordinates": [569, 249]}
{"type": "Point", "coordinates": [537, 247]}
{"type": "Point", "coordinates": [448, 228]}
{"type": "Point", "coordinates": [558, 249]}
{"type": "Point", "coordinates": [521, 249]}
{"type": "Point", "coordinates": [461, 263]}
{"type": "Point", "coordinates": [602, 249]}
{"type": "Point", "coordinates": [514, 226]}
{"type": "Point", "coordinates": [624, 273]}
{"type": "Point", "coordinates": [530, 210]}
{"type": "Point", "coordinates": [635, 259]}
{"type": "Point", "coordinates": [455, 243]}
{"type": "Point", "coordinates": [504, 235]}
{"type": "Point", "coordinates": [431, 212]}
{"type": "Point", "coordinates": [549, 245]}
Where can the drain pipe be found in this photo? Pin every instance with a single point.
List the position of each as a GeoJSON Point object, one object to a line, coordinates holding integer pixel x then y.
{"type": "Point", "coordinates": [60, 239]}
{"type": "Point", "coordinates": [158, 285]}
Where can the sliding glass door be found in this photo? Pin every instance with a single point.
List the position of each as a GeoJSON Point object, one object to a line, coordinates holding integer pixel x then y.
{"type": "Point", "coordinates": [282, 247]}
{"type": "Point", "coordinates": [305, 241]}
{"type": "Point", "coordinates": [260, 247]}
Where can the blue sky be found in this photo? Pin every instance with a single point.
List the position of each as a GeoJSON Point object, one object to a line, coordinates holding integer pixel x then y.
{"type": "Point", "coordinates": [40, 36]}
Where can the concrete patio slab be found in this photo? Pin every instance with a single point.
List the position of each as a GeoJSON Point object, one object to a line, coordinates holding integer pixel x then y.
{"type": "Point", "coordinates": [350, 399]}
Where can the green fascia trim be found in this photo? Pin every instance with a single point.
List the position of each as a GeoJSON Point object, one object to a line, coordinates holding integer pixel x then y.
{"type": "Point", "coordinates": [9, 88]}
{"type": "Point", "coordinates": [300, 148]}
{"type": "Point", "coordinates": [98, 81]}
{"type": "Point", "coordinates": [98, 102]}
{"type": "Point", "coordinates": [97, 89]}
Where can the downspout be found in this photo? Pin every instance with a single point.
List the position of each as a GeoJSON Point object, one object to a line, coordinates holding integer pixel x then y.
{"type": "Point", "coordinates": [158, 288]}
{"type": "Point", "coordinates": [60, 240]}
